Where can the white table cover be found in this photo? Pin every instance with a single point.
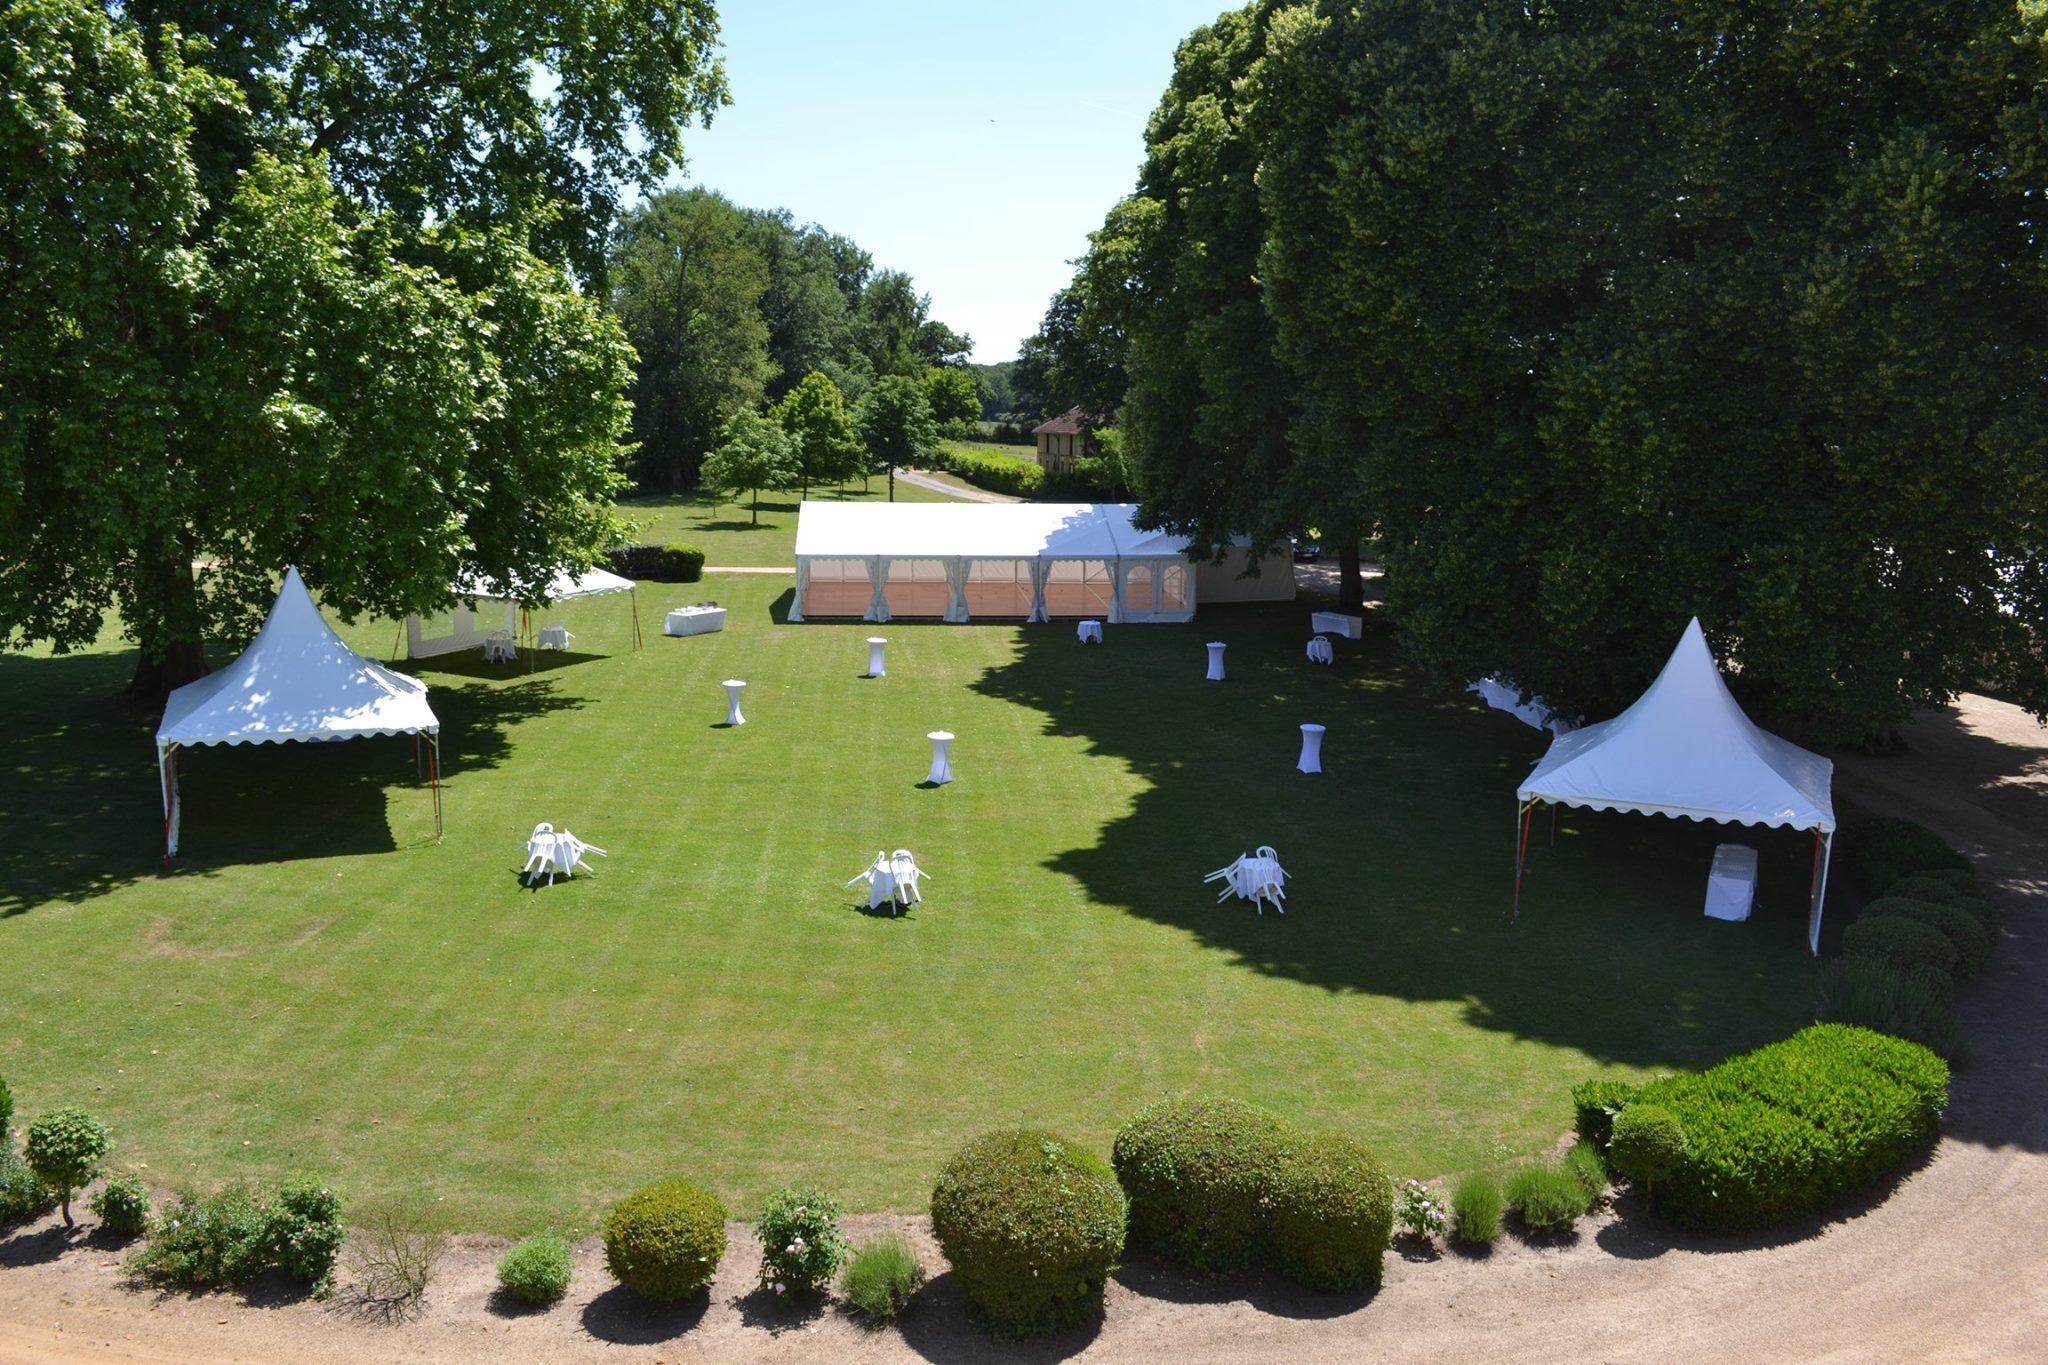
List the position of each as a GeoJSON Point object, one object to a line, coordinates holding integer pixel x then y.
{"type": "Point", "coordinates": [1216, 648]}
{"type": "Point", "coordinates": [1311, 749]}
{"type": "Point", "coordinates": [555, 637]}
{"type": "Point", "coordinates": [892, 877]}
{"type": "Point", "coordinates": [499, 649]}
{"type": "Point", "coordinates": [876, 665]}
{"type": "Point", "coordinates": [1731, 882]}
{"type": "Point", "coordinates": [1256, 877]}
{"type": "Point", "coordinates": [942, 759]}
{"type": "Point", "coordinates": [1089, 632]}
{"type": "Point", "coordinates": [1337, 623]}
{"type": "Point", "coordinates": [694, 621]}
{"type": "Point", "coordinates": [733, 688]}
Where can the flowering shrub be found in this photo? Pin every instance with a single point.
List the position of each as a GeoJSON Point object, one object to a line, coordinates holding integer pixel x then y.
{"type": "Point", "coordinates": [205, 1242]}
{"type": "Point", "coordinates": [302, 1232]}
{"type": "Point", "coordinates": [1419, 1209]}
{"type": "Point", "coordinates": [122, 1205]}
{"type": "Point", "coordinates": [802, 1247]}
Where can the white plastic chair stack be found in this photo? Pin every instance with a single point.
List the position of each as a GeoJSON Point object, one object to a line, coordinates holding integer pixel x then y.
{"type": "Point", "coordinates": [894, 878]}
{"type": "Point", "coordinates": [556, 853]}
{"type": "Point", "coordinates": [1256, 877]}
{"type": "Point", "coordinates": [498, 647]}
{"type": "Point", "coordinates": [1319, 651]}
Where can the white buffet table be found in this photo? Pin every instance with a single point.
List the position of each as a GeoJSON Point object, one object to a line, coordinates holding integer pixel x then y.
{"type": "Point", "coordinates": [694, 621]}
{"type": "Point", "coordinates": [1336, 623]}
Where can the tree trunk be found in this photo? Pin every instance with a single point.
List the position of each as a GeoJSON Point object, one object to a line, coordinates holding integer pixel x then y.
{"type": "Point", "coordinates": [173, 649]}
{"type": "Point", "coordinates": [1350, 578]}
{"type": "Point", "coordinates": [892, 481]}
{"type": "Point", "coordinates": [756, 510]}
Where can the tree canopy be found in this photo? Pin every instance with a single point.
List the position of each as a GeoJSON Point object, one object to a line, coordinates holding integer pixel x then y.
{"type": "Point", "coordinates": [1601, 317]}
{"type": "Point", "coordinates": [753, 453]}
{"type": "Point", "coordinates": [240, 337]}
{"type": "Point", "coordinates": [954, 398]}
{"type": "Point", "coordinates": [828, 447]}
{"type": "Point", "coordinates": [895, 424]}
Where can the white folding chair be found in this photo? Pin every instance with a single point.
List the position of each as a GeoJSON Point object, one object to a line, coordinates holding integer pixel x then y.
{"type": "Point", "coordinates": [906, 875]}
{"type": "Point", "coordinates": [540, 853]}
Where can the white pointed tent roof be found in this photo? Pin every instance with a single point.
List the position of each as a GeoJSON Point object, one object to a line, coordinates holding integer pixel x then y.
{"type": "Point", "coordinates": [1686, 749]}
{"type": "Point", "coordinates": [296, 681]}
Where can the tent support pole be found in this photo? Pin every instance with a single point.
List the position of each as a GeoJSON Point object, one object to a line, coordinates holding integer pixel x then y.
{"type": "Point", "coordinates": [434, 776]}
{"type": "Point", "coordinates": [633, 596]}
{"type": "Point", "coordinates": [1823, 857]}
{"type": "Point", "coordinates": [167, 766]}
{"type": "Point", "coordinates": [1524, 814]}
{"type": "Point", "coordinates": [1554, 810]}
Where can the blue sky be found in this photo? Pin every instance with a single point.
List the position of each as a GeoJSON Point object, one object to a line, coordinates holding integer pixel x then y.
{"type": "Point", "coordinates": [974, 145]}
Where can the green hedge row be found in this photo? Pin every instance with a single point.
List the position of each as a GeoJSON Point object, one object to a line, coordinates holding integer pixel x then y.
{"type": "Point", "coordinates": [657, 563]}
{"type": "Point", "coordinates": [1020, 478]}
{"type": "Point", "coordinates": [1793, 1126]}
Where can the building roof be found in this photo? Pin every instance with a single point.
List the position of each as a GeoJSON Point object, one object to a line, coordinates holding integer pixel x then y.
{"type": "Point", "coordinates": [1072, 422]}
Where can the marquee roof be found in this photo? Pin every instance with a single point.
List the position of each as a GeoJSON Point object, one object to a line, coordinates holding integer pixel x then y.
{"type": "Point", "coordinates": [563, 587]}
{"type": "Point", "coordinates": [296, 681]}
{"type": "Point", "coordinates": [979, 530]}
{"type": "Point", "coordinates": [1685, 748]}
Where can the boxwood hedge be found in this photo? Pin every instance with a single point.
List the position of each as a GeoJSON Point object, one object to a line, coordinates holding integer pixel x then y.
{"type": "Point", "coordinates": [1903, 943]}
{"type": "Point", "coordinates": [1972, 942]}
{"type": "Point", "coordinates": [1033, 1227]}
{"type": "Point", "coordinates": [1792, 1126]}
{"type": "Point", "coordinates": [1198, 1171]}
{"type": "Point", "coordinates": [1882, 851]}
{"type": "Point", "coordinates": [1331, 1211]}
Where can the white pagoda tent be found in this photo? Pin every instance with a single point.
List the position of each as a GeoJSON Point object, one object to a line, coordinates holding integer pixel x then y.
{"type": "Point", "coordinates": [295, 681]}
{"type": "Point", "coordinates": [462, 631]}
{"type": "Point", "coordinates": [967, 561]}
{"type": "Point", "coordinates": [1685, 749]}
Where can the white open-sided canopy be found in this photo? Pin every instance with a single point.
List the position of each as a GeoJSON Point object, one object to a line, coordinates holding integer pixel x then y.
{"type": "Point", "coordinates": [1685, 749]}
{"type": "Point", "coordinates": [972, 560]}
{"type": "Point", "coordinates": [461, 632]}
{"type": "Point", "coordinates": [295, 681]}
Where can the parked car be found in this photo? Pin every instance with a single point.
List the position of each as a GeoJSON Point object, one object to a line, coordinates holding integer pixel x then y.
{"type": "Point", "coordinates": [1307, 550]}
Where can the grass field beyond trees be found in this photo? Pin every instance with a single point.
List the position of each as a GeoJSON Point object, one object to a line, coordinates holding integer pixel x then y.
{"type": "Point", "coordinates": [319, 985]}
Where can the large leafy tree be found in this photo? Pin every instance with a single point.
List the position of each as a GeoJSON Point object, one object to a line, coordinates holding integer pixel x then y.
{"type": "Point", "coordinates": [753, 453]}
{"type": "Point", "coordinates": [814, 285]}
{"type": "Point", "coordinates": [828, 447]}
{"type": "Point", "coordinates": [687, 282]}
{"type": "Point", "coordinates": [895, 425]}
{"type": "Point", "coordinates": [954, 398]}
{"type": "Point", "coordinates": [1635, 311]}
{"type": "Point", "coordinates": [292, 284]}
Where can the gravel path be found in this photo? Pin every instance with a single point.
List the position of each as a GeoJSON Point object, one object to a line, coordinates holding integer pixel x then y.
{"type": "Point", "coordinates": [1951, 1264]}
{"type": "Point", "coordinates": [952, 490]}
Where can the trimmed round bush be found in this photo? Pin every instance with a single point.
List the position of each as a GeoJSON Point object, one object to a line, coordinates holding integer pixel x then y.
{"type": "Point", "coordinates": [1941, 889]}
{"type": "Point", "coordinates": [1903, 943]}
{"type": "Point", "coordinates": [1331, 1211]}
{"type": "Point", "coordinates": [1911, 1004]}
{"type": "Point", "coordinates": [1881, 852]}
{"type": "Point", "coordinates": [881, 1279]}
{"type": "Point", "coordinates": [1476, 1208]}
{"type": "Point", "coordinates": [1962, 880]}
{"type": "Point", "coordinates": [1923, 886]}
{"type": "Point", "coordinates": [1594, 1105]}
{"type": "Point", "coordinates": [664, 1242]}
{"type": "Point", "coordinates": [1033, 1227]}
{"type": "Point", "coordinates": [122, 1205]}
{"type": "Point", "coordinates": [1648, 1144]}
{"type": "Point", "coordinates": [1968, 937]}
{"type": "Point", "coordinates": [1549, 1197]}
{"type": "Point", "coordinates": [537, 1270]}
{"type": "Point", "coordinates": [1197, 1170]}
{"type": "Point", "coordinates": [65, 1148]}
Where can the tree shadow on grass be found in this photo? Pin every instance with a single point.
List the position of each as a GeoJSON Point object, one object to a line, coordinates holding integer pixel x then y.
{"type": "Point", "coordinates": [83, 809]}
{"type": "Point", "coordinates": [1399, 855]}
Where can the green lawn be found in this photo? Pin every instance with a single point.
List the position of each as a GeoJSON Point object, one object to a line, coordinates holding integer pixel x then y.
{"type": "Point", "coordinates": [730, 533]}
{"type": "Point", "coordinates": [319, 984]}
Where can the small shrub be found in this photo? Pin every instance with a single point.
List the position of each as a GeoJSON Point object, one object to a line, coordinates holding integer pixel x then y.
{"type": "Point", "coordinates": [656, 563]}
{"type": "Point", "coordinates": [122, 1205]}
{"type": "Point", "coordinates": [1649, 1144]}
{"type": "Point", "coordinates": [1913, 1005]}
{"type": "Point", "coordinates": [205, 1242]}
{"type": "Point", "coordinates": [1477, 1205]}
{"type": "Point", "coordinates": [881, 1279]}
{"type": "Point", "coordinates": [1924, 886]}
{"type": "Point", "coordinates": [1903, 943]}
{"type": "Point", "coordinates": [1973, 944]}
{"type": "Point", "coordinates": [1331, 1213]}
{"type": "Point", "coordinates": [395, 1252]}
{"type": "Point", "coordinates": [6, 1115]}
{"type": "Point", "coordinates": [1197, 1170]}
{"type": "Point", "coordinates": [802, 1247]}
{"type": "Point", "coordinates": [681, 564]}
{"type": "Point", "coordinates": [537, 1270]}
{"type": "Point", "coordinates": [1594, 1105]}
{"type": "Point", "coordinates": [1883, 851]}
{"type": "Point", "coordinates": [1033, 1227]}
{"type": "Point", "coordinates": [1962, 880]}
{"type": "Point", "coordinates": [1589, 1168]}
{"type": "Point", "coordinates": [665, 1242]}
{"type": "Point", "coordinates": [1419, 1210]}
{"type": "Point", "coordinates": [1792, 1126]}
{"type": "Point", "coordinates": [303, 1232]}
{"type": "Point", "coordinates": [22, 1196]}
{"type": "Point", "coordinates": [65, 1148]}
{"type": "Point", "coordinates": [1548, 1197]}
